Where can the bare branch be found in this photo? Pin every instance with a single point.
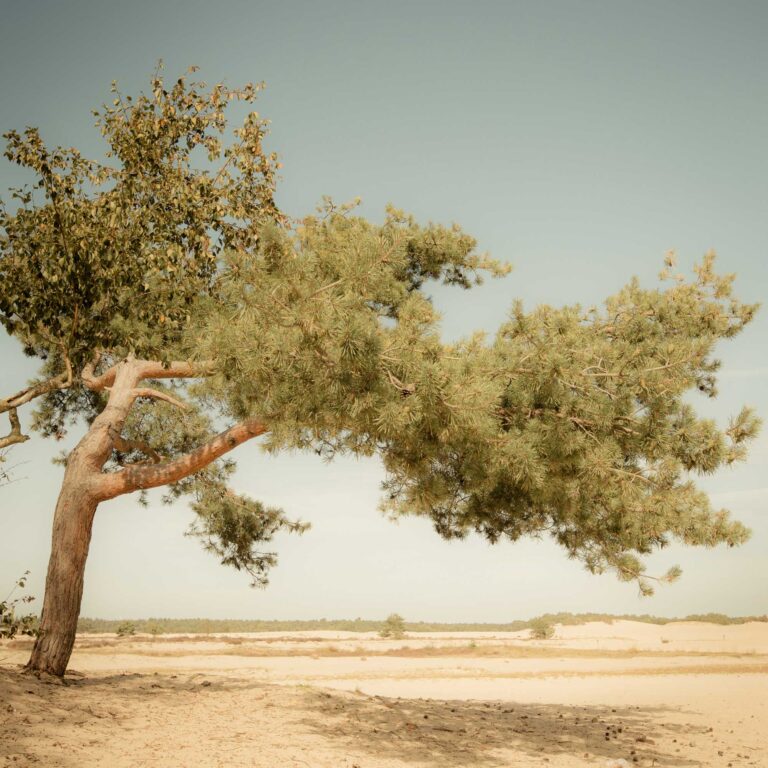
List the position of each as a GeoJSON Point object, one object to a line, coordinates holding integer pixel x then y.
{"type": "Point", "coordinates": [126, 446]}
{"type": "Point", "coordinates": [142, 477]}
{"type": "Point", "coordinates": [15, 435]}
{"type": "Point", "coordinates": [62, 381]}
{"type": "Point", "coordinates": [599, 371]}
{"type": "Point", "coordinates": [324, 288]}
{"type": "Point", "coordinates": [405, 389]}
{"type": "Point", "coordinates": [156, 394]}
{"type": "Point", "coordinates": [633, 475]}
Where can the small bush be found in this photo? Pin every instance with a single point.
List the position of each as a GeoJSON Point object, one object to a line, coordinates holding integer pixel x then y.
{"type": "Point", "coordinates": [126, 629]}
{"type": "Point", "coordinates": [394, 627]}
{"type": "Point", "coordinates": [12, 624]}
{"type": "Point", "coordinates": [541, 630]}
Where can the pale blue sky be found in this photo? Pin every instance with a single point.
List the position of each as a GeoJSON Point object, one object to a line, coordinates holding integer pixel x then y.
{"type": "Point", "coordinates": [578, 140]}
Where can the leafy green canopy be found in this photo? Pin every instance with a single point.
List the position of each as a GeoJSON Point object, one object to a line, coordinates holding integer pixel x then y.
{"type": "Point", "coordinates": [113, 255]}
{"type": "Point", "coordinates": [570, 422]}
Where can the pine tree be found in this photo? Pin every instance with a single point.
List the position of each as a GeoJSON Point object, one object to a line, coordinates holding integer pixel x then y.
{"type": "Point", "coordinates": [177, 313]}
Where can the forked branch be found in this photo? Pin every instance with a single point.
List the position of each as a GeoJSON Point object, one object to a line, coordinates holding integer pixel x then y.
{"type": "Point", "coordinates": [144, 369]}
{"type": "Point", "coordinates": [15, 435]}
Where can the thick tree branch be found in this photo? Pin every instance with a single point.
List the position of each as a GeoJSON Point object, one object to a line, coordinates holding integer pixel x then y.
{"type": "Point", "coordinates": [93, 382]}
{"type": "Point", "coordinates": [145, 369]}
{"type": "Point", "coordinates": [62, 381]}
{"type": "Point", "coordinates": [139, 478]}
{"type": "Point", "coordinates": [15, 435]}
{"type": "Point", "coordinates": [153, 369]}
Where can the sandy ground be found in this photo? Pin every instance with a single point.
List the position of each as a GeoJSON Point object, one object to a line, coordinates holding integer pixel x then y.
{"type": "Point", "coordinates": [620, 694]}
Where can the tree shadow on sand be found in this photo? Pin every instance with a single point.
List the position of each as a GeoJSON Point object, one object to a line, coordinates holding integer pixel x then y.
{"type": "Point", "coordinates": [425, 733]}
{"type": "Point", "coordinates": [463, 733]}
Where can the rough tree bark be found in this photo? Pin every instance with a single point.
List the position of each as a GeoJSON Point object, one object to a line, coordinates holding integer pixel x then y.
{"type": "Point", "coordinates": [86, 485]}
{"type": "Point", "coordinates": [71, 538]}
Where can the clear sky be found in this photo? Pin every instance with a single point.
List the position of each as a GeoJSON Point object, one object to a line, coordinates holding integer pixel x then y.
{"type": "Point", "coordinates": [578, 140]}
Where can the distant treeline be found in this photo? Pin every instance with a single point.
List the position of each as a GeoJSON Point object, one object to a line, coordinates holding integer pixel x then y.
{"type": "Point", "coordinates": [207, 626]}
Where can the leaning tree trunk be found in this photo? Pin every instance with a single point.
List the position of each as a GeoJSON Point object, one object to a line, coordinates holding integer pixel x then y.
{"type": "Point", "coordinates": [71, 538]}
{"type": "Point", "coordinates": [85, 486]}
{"type": "Point", "coordinates": [72, 523]}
